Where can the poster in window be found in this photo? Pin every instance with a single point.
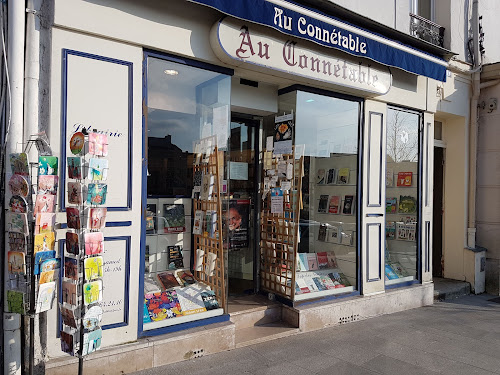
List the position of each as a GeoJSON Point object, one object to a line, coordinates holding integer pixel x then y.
{"type": "Point", "coordinates": [283, 134]}
{"type": "Point", "coordinates": [236, 222]}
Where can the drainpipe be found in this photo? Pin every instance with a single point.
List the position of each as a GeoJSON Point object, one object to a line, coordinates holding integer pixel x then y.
{"type": "Point", "coordinates": [15, 64]}
{"type": "Point", "coordinates": [471, 222]}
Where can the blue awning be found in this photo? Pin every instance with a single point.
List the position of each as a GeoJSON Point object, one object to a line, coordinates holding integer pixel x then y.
{"type": "Point", "coordinates": [301, 22]}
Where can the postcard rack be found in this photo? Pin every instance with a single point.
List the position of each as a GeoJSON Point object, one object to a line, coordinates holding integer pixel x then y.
{"type": "Point", "coordinates": [209, 267]}
{"type": "Point", "coordinates": [279, 226]}
{"type": "Point", "coordinates": [31, 258]}
{"type": "Point", "coordinates": [82, 286]}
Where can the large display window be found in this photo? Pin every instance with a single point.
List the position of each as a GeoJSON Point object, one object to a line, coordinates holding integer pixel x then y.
{"type": "Point", "coordinates": [402, 181]}
{"type": "Point", "coordinates": [309, 246]}
{"type": "Point", "coordinates": [187, 125]}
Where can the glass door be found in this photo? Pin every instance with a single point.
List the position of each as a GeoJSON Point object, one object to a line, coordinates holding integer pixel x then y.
{"type": "Point", "coordinates": [240, 214]}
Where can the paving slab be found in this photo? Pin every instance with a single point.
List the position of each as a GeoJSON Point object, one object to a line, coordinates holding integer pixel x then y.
{"type": "Point", "coordinates": [453, 337]}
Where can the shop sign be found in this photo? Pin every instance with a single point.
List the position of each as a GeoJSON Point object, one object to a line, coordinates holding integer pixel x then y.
{"type": "Point", "coordinates": [236, 42]}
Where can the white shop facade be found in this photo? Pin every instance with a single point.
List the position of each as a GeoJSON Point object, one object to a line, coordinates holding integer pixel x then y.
{"type": "Point", "coordinates": [311, 135]}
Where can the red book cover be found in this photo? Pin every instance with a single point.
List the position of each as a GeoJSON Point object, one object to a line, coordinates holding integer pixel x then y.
{"type": "Point", "coordinates": [334, 204]}
{"type": "Point", "coordinates": [404, 178]}
{"type": "Point", "coordinates": [322, 260]}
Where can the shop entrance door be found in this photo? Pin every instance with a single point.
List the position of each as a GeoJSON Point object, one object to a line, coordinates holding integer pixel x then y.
{"type": "Point", "coordinates": [243, 205]}
{"type": "Point", "coordinates": [438, 210]}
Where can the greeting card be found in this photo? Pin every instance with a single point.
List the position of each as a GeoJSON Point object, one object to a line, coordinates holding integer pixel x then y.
{"type": "Point", "coordinates": [93, 267]}
{"type": "Point", "coordinates": [45, 223]}
{"type": "Point", "coordinates": [44, 242]}
{"type": "Point", "coordinates": [98, 169]}
{"type": "Point", "coordinates": [44, 203]}
{"type": "Point", "coordinates": [405, 178]}
{"type": "Point", "coordinates": [19, 164]}
{"type": "Point", "coordinates": [16, 262]}
{"type": "Point", "coordinates": [71, 268]}
{"type": "Point", "coordinates": [92, 292]}
{"type": "Point", "coordinates": [97, 194]}
{"type": "Point", "coordinates": [45, 297]}
{"type": "Point", "coordinates": [73, 217]}
{"type": "Point", "coordinates": [47, 184]}
{"type": "Point", "coordinates": [47, 165]}
{"type": "Point", "coordinates": [94, 243]}
{"type": "Point", "coordinates": [98, 144]}
{"type": "Point", "coordinates": [17, 222]}
{"type": "Point", "coordinates": [75, 167]}
{"type": "Point", "coordinates": [72, 244]}
{"type": "Point", "coordinates": [74, 193]}
{"type": "Point", "coordinates": [18, 185]}
{"type": "Point", "coordinates": [97, 218]}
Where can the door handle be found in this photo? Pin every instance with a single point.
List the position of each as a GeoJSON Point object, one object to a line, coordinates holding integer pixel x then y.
{"type": "Point", "coordinates": [374, 215]}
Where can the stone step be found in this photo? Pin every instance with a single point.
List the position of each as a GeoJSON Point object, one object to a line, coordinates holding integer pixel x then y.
{"type": "Point", "coordinates": [256, 316]}
{"type": "Point", "coordinates": [446, 289]}
{"type": "Point", "coordinates": [262, 333]}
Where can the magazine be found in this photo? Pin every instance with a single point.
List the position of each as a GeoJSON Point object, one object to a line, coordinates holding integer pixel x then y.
{"type": "Point", "coordinates": [174, 219]}
{"type": "Point", "coordinates": [323, 203]}
{"type": "Point", "coordinates": [334, 204]}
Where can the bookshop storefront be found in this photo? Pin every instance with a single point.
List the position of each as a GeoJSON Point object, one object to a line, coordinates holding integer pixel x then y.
{"type": "Point", "coordinates": [277, 152]}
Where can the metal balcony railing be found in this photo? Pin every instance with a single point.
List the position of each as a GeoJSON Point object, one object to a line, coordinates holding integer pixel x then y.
{"type": "Point", "coordinates": [426, 30]}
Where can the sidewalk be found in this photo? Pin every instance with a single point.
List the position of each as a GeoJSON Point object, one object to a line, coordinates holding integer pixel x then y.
{"type": "Point", "coordinates": [455, 337]}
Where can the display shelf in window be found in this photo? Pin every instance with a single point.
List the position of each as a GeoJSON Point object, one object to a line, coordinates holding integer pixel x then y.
{"type": "Point", "coordinates": [176, 291]}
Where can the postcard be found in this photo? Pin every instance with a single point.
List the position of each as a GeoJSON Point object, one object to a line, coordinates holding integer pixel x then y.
{"type": "Point", "coordinates": [92, 318]}
{"type": "Point", "coordinates": [98, 169]}
{"type": "Point", "coordinates": [18, 204]}
{"type": "Point", "coordinates": [47, 184]}
{"type": "Point", "coordinates": [19, 164]}
{"type": "Point", "coordinates": [97, 218]}
{"type": "Point", "coordinates": [17, 241]}
{"type": "Point", "coordinates": [98, 144]}
{"type": "Point", "coordinates": [71, 268]}
{"type": "Point", "coordinates": [73, 217]}
{"type": "Point", "coordinates": [92, 292]}
{"type": "Point", "coordinates": [18, 185]}
{"type": "Point", "coordinates": [72, 244]}
{"type": "Point", "coordinates": [48, 276]}
{"type": "Point", "coordinates": [16, 262]}
{"type": "Point", "coordinates": [17, 222]}
{"type": "Point", "coordinates": [45, 223]}
{"type": "Point", "coordinates": [68, 317]}
{"type": "Point", "coordinates": [44, 242]}
{"type": "Point", "coordinates": [94, 243]}
{"type": "Point", "coordinates": [93, 267]}
{"type": "Point", "coordinates": [74, 192]}
{"type": "Point", "coordinates": [45, 296]}
{"type": "Point", "coordinates": [97, 194]}
{"type": "Point", "coordinates": [16, 302]}
{"type": "Point", "coordinates": [69, 293]}
{"type": "Point", "coordinates": [47, 165]}
{"type": "Point", "coordinates": [50, 265]}
{"type": "Point", "coordinates": [40, 257]}
{"type": "Point", "coordinates": [44, 203]}
{"type": "Point", "coordinates": [75, 167]}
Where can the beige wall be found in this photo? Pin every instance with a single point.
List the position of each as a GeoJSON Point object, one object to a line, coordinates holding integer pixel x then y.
{"type": "Point", "coordinates": [488, 187]}
{"type": "Point", "coordinates": [454, 232]}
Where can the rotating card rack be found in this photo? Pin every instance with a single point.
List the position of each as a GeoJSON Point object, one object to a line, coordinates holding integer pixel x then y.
{"type": "Point", "coordinates": [82, 288]}
{"type": "Point", "coordinates": [208, 162]}
{"type": "Point", "coordinates": [279, 231]}
{"type": "Point", "coordinates": [25, 267]}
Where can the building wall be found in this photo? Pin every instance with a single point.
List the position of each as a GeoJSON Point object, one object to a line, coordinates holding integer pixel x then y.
{"type": "Point", "coordinates": [121, 29]}
{"type": "Point", "coordinates": [488, 187]}
{"type": "Point", "coordinates": [490, 9]}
